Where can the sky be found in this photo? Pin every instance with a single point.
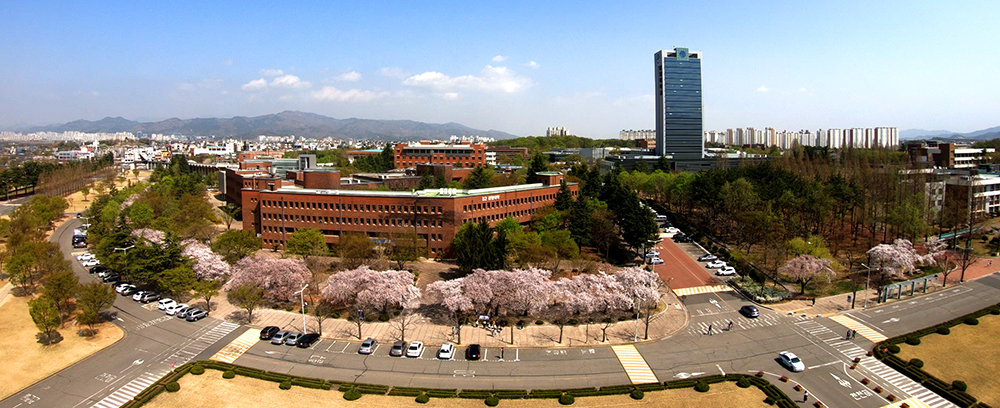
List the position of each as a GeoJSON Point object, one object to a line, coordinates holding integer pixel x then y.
{"type": "Point", "coordinates": [518, 67]}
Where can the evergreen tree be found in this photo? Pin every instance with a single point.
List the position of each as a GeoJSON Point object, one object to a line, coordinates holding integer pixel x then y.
{"type": "Point", "coordinates": [539, 163]}
{"type": "Point", "coordinates": [641, 166]}
{"type": "Point", "coordinates": [580, 220]}
{"type": "Point", "coordinates": [564, 199]}
{"type": "Point", "coordinates": [480, 177]}
{"type": "Point", "coordinates": [480, 246]}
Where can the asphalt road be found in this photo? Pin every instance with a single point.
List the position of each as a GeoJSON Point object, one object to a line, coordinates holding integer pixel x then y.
{"type": "Point", "coordinates": [680, 269]}
{"type": "Point", "coordinates": [153, 341]}
{"type": "Point", "coordinates": [8, 206]}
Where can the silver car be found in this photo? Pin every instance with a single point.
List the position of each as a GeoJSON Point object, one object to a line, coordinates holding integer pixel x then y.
{"type": "Point", "coordinates": [292, 339]}
{"type": "Point", "coordinates": [279, 337]}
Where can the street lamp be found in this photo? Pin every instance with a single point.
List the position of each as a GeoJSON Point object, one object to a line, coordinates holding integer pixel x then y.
{"type": "Point", "coordinates": [302, 306]}
{"type": "Point", "coordinates": [125, 250]}
{"type": "Point", "coordinates": [867, 283]}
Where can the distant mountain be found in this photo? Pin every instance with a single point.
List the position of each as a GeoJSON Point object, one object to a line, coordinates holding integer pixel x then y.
{"type": "Point", "coordinates": [985, 134]}
{"type": "Point", "coordinates": [286, 123]}
{"type": "Point", "coordinates": [922, 134]}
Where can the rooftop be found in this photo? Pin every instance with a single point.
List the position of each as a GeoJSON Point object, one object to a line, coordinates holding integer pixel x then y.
{"type": "Point", "coordinates": [435, 192]}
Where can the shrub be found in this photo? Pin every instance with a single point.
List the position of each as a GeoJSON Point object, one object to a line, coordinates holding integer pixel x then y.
{"type": "Point", "coordinates": [913, 341]}
{"type": "Point", "coordinates": [492, 401]}
{"type": "Point", "coordinates": [539, 322]}
{"type": "Point", "coordinates": [917, 363]}
{"type": "Point", "coordinates": [893, 348]}
{"type": "Point", "coordinates": [995, 312]}
{"type": "Point", "coordinates": [572, 322]}
{"type": "Point", "coordinates": [959, 385]}
{"type": "Point", "coordinates": [971, 321]}
{"type": "Point", "coordinates": [567, 399]}
{"type": "Point", "coordinates": [743, 382]}
{"type": "Point", "coordinates": [637, 394]}
{"type": "Point", "coordinates": [285, 385]}
{"type": "Point", "coordinates": [701, 387]}
{"type": "Point", "coordinates": [289, 308]}
{"type": "Point", "coordinates": [383, 317]}
{"type": "Point", "coordinates": [943, 330]}
{"type": "Point", "coordinates": [197, 370]}
{"type": "Point", "coordinates": [228, 374]}
{"type": "Point", "coordinates": [352, 394]}
{"type": "Point", "coordinates": [173, 386]}
{"type": "Point", "coordinates": [422, 398]}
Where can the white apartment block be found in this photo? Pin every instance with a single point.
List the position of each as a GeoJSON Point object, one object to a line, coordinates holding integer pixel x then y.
{"type": "Point", "coordinates": [647, 134]}
{"type": "Point", "coordinates": [861, 138]}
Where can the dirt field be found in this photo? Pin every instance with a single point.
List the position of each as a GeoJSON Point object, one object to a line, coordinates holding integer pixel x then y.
{"type": "Point", "coordinates": [26, 361]}
{"type": "Point", "coordinates": [967, 354]}
{"type": "Point", "coordinates": [211, 391]}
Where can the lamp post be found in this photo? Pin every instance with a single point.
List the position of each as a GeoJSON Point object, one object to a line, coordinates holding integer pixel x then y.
{"type": "Point", "coordinates": [125, 250]}
{"type": "Point", "coordinates": [867, 283]}
{"type": "Point", "coordinates": [302, 306]}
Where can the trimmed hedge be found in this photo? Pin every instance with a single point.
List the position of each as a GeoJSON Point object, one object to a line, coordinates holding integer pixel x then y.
{"type": "Point", "coordinates": [422, 398]}
{"type": "Point", "coordinates": [637, 394]}
{"type": "Point", "coordinates": [475, 394]}
{"type": "Point", "coordinates": [228, 374]}
{"type": "Point", "coordinates": [287, 385]}
{"type": "Point", "coordinates": [701, 387]}
{"type": "Point", "coordinates": [438, 393]}
{"type": "Point", "coordinates": [352, 394]}
{"type": "Point", "coordinates": [511, 394]}
{"type": "Point", "coordinates": [567, 400]}
{"type": "Point", "coordinates": [492, 401]}
{"type": "Point", "coordinates": [405, 392]}
{"type": "Point", "coordinates": [173, 387]}
{"type": "Point", "coordinates": [197, 370]}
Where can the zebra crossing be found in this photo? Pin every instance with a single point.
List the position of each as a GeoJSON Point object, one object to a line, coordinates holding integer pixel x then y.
{"type": "Point", "coordinates": [195, 346]}
{"type": "Point", "coordinates": [863, 330]}
{"type": "Point", "coordinates": [873, 365]}
{"type": "Point", "coordinates": [910, 402]}
{"type": "Point", "coordinates": [237, 347]}
{"type": "Point", "coordinates": [698, 290]}
{"type": "Point", "coordinates": [130, 390]}
{"type": "Point", "coordinates": [634, 364]}
{"type": "Point", "coordinates": [739, 323]}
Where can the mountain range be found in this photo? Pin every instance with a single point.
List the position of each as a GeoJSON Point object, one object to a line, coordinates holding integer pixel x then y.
{"type": "Point", "coordinates": [984, 134]}
{"type": "Point", "coordinates": [287, 123]}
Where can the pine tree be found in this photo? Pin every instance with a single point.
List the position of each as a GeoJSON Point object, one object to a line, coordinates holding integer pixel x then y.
{"type": "Point", "coordinates": [563, 198]}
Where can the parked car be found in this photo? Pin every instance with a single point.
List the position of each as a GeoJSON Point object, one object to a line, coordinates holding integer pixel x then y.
{"type": "Point", "coordinates": [707, 257]}
{"type": "Point", "coordinates": [79, 243]}
{"type": "Point", "coordinates": [196, 315]}
{"type": "Point", "coordinates": [307, 340]}
{"type": "Point", "coordinates": [716, 264]}
{"type": "Point", "coordinates": [291, 338]}
{"type": "Point", "coordinates": [181, 312]}
{"type": "Point", "coordinates": [749, 311]}
{"type": "Point", "coordinates": [790, 360]}
{"type": "Point", "coordinates": [120, 287]}
{"type": "Point", "coordinates": [269, 331]}
{"type": "Point", "coordinates": [446, 352]}
{"type": "Point", "coordinates": [653, 254]}
{"type": "Point", "coordinates": [90, 262]}
{"type": "Point", "coordinates": [416, 349]}
{"type": "Point", "coordinates": [368, 346]}
{"type": "Point", "coordinates": [163, 304]}
{"type": "Point", "coordinates": [279, 337]}
{"type": "Point", "coordinates": [397, 349]}
{"type": "Point", "coordinates": [172, 311]}
{"type": "Point", "coordinates": [138, 295]}
{"type": "Point", "coordinates": [726, 271]}
{"type": "Point", "coordinates": [681, 239]}
{"type": "Point", "coordinates": [473, 352]}
{"type": "Point", "coordinates": [111, 278]}
{"type": "Point", "coordinates": [656, 261]}
{"type": "Point", "coordinates": [129, 290]}
{"type": "Point", "coordinates": [672, 230]}
{"type": "Point", "coordinates": [97, 269]}
{"type": "Point", "coordinates": [148, 297]}
{"type": "Point", "coordinates": [85, 256]}
{"type": "Point", "coordinates": [105, 272]}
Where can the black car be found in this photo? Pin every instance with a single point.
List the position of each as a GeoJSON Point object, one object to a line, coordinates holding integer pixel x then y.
{"type": "Point", "coordinates": [268, 332]}
{"type": "Point", "coordinates": [749, 311]}
{"type": "Point", "coordinates": [307, 340]}
{"type": "Point", "coordinates": [473, 352]}
{"type": "Point", "coordinates": [98, 269]}
{"type": "Point", "coordinates": [112, 277]}
{"type": "Point", "coordinates": [682, 238]}
{"type": "Point", "coordinates": [129, 291]}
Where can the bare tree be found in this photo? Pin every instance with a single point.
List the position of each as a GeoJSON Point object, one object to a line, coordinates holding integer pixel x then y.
{"type": "Point", "coordinates": [404, 322]}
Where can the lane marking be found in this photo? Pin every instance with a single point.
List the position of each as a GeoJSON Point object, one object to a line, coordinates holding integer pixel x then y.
{"type": "Point", "coordinates": [634, 364]}
{"type": "Point", "coordinates": [237, 347]}
{"type": "Point", "coordinates": [863, 330]}
{"type": "Point", "coordinates": [698, 290]}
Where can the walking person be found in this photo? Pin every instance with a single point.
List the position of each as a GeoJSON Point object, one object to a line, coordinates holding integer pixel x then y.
{"type": "Point", "coordinates": [501, 353]}
{"type": "Point", "coordinates": [730, 326]}
{"type": "Point", "coordinates": [854, 333]}
{"type": "Point", "coordinates": [848, 335]}
{"type": "Point", "coordinates": [709, 330]}
{"type": "Point", "coordinates": [805, 396]}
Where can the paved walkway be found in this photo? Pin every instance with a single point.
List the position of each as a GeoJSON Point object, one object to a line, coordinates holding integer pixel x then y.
{"type": "Point", "coordinates": [671, 320]}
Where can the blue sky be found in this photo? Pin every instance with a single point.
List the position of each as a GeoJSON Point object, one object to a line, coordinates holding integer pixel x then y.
{"type": "Point", "coordinates": [513, 66]}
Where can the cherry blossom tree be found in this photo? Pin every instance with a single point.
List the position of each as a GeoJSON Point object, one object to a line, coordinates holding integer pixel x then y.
{"type": "Point", "coordinates": [599, 296]}
{"type": "Point", "coordinates": [279, 278]}
{"type": "Point", "coordinates": [207, 264]}
{"type": "Point", "coordinates": [644, 286]}
{"type": "Point", "coordinates": [451, 295]}
{"type": "Point", "coordinates": [151, 235]}
{"type": "Point", "coordinates": [366, 289]}
{"type": "Point", "coordinates": [803, 269]}
{"type": "Point", "coordinates": [893, 261]}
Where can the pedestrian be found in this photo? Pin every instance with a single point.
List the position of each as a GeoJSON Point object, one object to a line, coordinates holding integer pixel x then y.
{"type": "Point", "coordinates": [854, 333]}
{"type": "Point", "coordinates": [805, 396]}
{"type": "Point", "coordinates": [848, 335]}
{"type": "Point", "coordinates": [814, 301]}
{"type": "Point", "coordinates": [501, 353]}
{"type": "Point", "coordinates": [709, 330]}
{"type": "Point", "coordinates": [730, 326]}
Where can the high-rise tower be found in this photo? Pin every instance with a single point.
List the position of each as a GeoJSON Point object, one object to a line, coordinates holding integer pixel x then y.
{"type": "Point", "coordinates": [679, 104]}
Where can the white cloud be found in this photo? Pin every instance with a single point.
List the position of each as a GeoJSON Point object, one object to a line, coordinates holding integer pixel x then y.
{"type": "Point", "coordinates": [450, 96]}
{"type": "Point", "coordinates": [271, 72]}
{"type": "Point", "coordinates": [255, 85]}
{"type": "Point", "coordinates": [531, 64]}
{"type": "Point", "coordinates": [499, 58]}
{"type": "Point", "coordinates": [393, 72]}
{"type": "Point", "coordinates": [289, 81]}
{"type": "Point", "coordinates": [763, 89]}
{"type": "Point", "coordinates": [352, 76]}
{"type": "Point", "coordinates": [493, 79]}
{"type": "Point", "coordinates": [329, 93]}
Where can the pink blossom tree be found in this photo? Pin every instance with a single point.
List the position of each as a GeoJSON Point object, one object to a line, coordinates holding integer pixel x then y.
{"type": "Point", "coordinates": [279, 278]}
{"type": "Point", "coordinates": [803, 269]}
{"type": "Point", "coordinates": [151, 235]}
{"type": "Point", "coordinates": [601, 298]}
{"type": "Point", "coordinates": [207, 264]}
{"type": "Point", "coordinates": [366, 289]}
{"type": "Point", "coordinates": [644, 288]}
{"type": "Point", "coordinates": [450, 294]}
{"type": "Point", "coordinates": [893, 261]}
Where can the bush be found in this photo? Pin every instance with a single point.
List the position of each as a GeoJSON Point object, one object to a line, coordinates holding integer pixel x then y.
{"type": "Point", "coordinates": [917, 363]}
{"type": "Point", "coordinates": [285, 385]}
{"type": "Point", "coordinates": [289, 308]}
{"type": "Point", "coordinates": [943, 330]}
{"type": "Point", "coordinates": [743, 382]}
{"type": "Point", "coordinates": [539, 322]}
{"type": "Point", "coordinates": [913, 341]}
{"type": "Point", "coordinates": [893, 348]}
{"type": "Point", "coordinates": [383, 317]}
{"type": "Point", "coordinates": [228, 374]}
{"type": "Point", "coordinates": [572, 322]}
{"type": "Point", "coordinates": [959, 385]}
{"type": "Point", "coordinates": [567, 399]}
{"type": "Point", "coordinates": [173, 386]}
{"type": "Point", "coordinates": [995, 312]}
{"type": "Point", "coordinates": [637, 394]}
{"type": "Point", "coordinates": [352, 394]}
{"type": "Point", "coordinates": [971, 321]}
{"type": "Point", "coordinates": [701, 387]}
{"type": "Point", "coordinates": [492, 401]}
{"type": "Point", "coordinates": [422, 399]}
{"type": "Point", "coordinates": [197, 370]}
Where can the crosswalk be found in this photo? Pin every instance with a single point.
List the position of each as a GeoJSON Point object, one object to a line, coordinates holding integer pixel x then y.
{"type": "Point", "coordinates": [836, 340]}
{"type": "Point", "coordinates": [863, 330]}
{"type": "Point", "coordinates": [237, 347]}
{"type": "Point", "coordinates": [635, 366]}
{"type": "Point", "coordinates": [910, 402]}
{"type": "Point", "coordinates": [698, 290]}
{"type": "Point", "coordinates": [719, 326]}
{"type": "Point", "coordinates": [130, 390]}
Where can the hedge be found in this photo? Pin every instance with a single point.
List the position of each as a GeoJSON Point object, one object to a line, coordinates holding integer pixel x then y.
{"type": "Point", "coordinates": [475, 394]}
{"type": "Point", "coordinates": [438, 393]}
{"type": "Point", "coordinates": [405, 392]}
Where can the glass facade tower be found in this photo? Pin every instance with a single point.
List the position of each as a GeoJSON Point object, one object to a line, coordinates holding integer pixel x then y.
{"type": "Point", "coordinates": [679, 104]}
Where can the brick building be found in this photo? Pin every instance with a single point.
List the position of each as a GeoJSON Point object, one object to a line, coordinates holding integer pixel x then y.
{"type": "Point", "coordinates": [407, 155]}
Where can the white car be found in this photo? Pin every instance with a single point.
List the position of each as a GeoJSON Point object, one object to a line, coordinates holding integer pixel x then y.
{"type": "Point", "coordinates": [171, 310]}
{"type": "Point", "coordinates": [716, 265]}
{"type": "Point", "coordinates": [138, 295]}
{"type": "Point", "coordinates": [653, 254]}
{"type": "Point", "coordinates": [726, 271]}
{"type": "Point", "coordinates": [416, 349]}
{"type": "Point", "coordinates": [91, 262]}
{"type": "Point", "coordinates": [656, 261]}
{"type": "Point", "coordinates": [86, 256]}
{"type": "Point", "coordinates": [121, 287]}
{"type": "Point", "coordinates": [672, 230]}
{"type": "Point", "coordinates": [790, 360]}
{"type": "Point", "coordinates": [446, 352]}
{"type": "Point", "coordinates": [164, 303]}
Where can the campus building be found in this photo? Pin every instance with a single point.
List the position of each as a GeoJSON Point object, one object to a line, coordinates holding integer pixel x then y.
{"type": "Point", "coordinates": [406, 155]}
{"type": "Point", "coordinates": [678, 104]}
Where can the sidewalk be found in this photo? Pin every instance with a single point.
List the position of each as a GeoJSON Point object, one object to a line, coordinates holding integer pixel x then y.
{"type": "Point", "coordinates": [666, 323]}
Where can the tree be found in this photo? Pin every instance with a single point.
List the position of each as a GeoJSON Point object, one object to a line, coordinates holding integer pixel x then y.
{"type": "Point", "coordinates": [60, 286]}
{"type": "Point", "coordinates": [355, 249]}
{"type": "Point", "coordinates": [323, 311]}
{"type": "Point", "coordinates": [893, 261]}
{"type": "Point", "coordinates": [177, 280]}
{"type": "Point", "coordinates": [539, 163]}
{"type": "Point", "coordinates": [644, 286]}
{"type": "Point", "coordinates": [564, 199]}
{"type": "Point", "coordinates": [278, 278]}
{"type": "Point", "coordinates": [230, 213]}
{"type": "Point", "coordinates": [581, 221]}
{"type": "Point", "coordinates": [45, 314]}
{"type": "Point", "coordinates": [207, 264]}
{"type": "Point", "coordinates": [451, 296]}
{"type": "Point", "coordinates": [363, 289]}
{"type": "Point", "coordinates": [966, 259]}
{"type": "Point", "coordinates": [405, 247]}
{"type": "Point", "coordinates": [404, 322]}
{"type": "Point", "coordinates": [95, 297]}
{"type": "Point", "coordinates": [803, 269]}
{"type": "Point", "coordinates": [937, 250]}
{"type": "Point", "coordinates": [141, 214]}
{"type": "Point", "coordinates": [234, 245]}
{"type": "Point", "coordinates": [560, 242]}
{"type": "Point", "coordinates": [85, 190]}
{"type": "Point", "coordinates": [480, 246]}
{"type": "Point", "coordinates": [604, 232]}
{"type": "Point", "coordinates": [246, 297]}
{"type": "Point", "coordinates": [305, 243]}
{"type": "Point", "coordinates": [207, 289]}
{"type": "Point", "coordinates": [480, 177]}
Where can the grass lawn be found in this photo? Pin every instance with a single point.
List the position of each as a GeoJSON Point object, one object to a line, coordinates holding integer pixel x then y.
{"type": "Point", "coordinates": [968, 354]}
{"type": "Point", "coordinates": [26, 361]}
{"type": "Point", "coordinates": [212, 391]}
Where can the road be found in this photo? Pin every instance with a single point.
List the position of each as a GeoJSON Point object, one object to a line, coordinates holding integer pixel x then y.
{"type": "Point", "coordinates": [8, 206]}
{"type": "Point", "coordinates": [750, 345]}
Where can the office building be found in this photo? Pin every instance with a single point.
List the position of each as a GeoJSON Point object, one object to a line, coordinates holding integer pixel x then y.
{"type": "Point", "coordinates": [678, 104]}
{"type": "Point", "coordinates": [406, 155]}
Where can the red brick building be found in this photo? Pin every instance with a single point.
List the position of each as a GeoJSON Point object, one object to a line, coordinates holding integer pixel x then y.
{"type": "Point", "coordinates": [407, 155]}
